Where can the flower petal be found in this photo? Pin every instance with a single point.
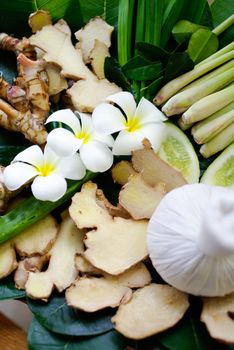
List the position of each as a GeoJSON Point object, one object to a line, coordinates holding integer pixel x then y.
{"type": "Point", "coordinates": [147, 112]}
{"type": "Point", "coordinates": [96, 156]}
{"type": "Point", "coordinates": [67, 117]}
{"type": "Point", "coordinates": [71, 167]}
{"type": "Point", "coordinates": [154, 133]}
{"type": "Point", "coordinates": [17, 174]}
{"type": "Point", "coordinates": [32, 155]}
{"type": "Point", "coordinates": [86, 122]}
{"type": "Point", "coordinates": [108, 119]}
{"type": "Point", "coordinates": [49, 188]}
{"type": "Point", "coordinates": [106, 139]}
{"type": "Point", "coordinates": [126, 142]}
{"type": "Point", "coordinates": [63, 142]}
{"type": "Point", "coordinates": [125, 101]}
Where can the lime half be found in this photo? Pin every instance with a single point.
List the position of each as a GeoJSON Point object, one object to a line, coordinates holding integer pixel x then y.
{"type": "Point", "coordinates": [177, 150]}
{"type": "Point", "coordinates": [221, 171]}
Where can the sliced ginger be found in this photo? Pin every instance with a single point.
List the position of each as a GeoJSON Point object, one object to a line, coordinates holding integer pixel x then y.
{"type": "Point", "coordinates": [85, 267]}
{"type": "Point", "coordinates": [154, 170]}
{"type": "Point", "coordinates": [92, 293]}
{"type": "Point", "coordinates": [63, 27]}
{"type": "Point", "coordinates": [34, 263]}
{"type": "Point", "coordinates": [8, 261]}
{"type": "Point", "coordinates": [87, 94]}
{"type": "Point", "coordinates": [116, 243]}
{"type": "Point", "coordinates": [151, 310]}
{"type": "Point", "coordinates": [140, 199]}
{"type": "Point", "coordinates": [122, 171]}
{"type": "Point", "coordinates": [59, 50]}
{"type": "Point", "coordinates": [39, 19]}
{"type": "Point", "coordinates": [218, 316]}
{"type": "Point", "coordinates": [38, 238]}
{"type": "Point", "coordinates": [61, 271]}
{"type": "Point", "coordinates": [95, 29]}
{"type": "Point", "coordinates": [97, 57]}
{"type": "Point", "coordinates": [56, 82]}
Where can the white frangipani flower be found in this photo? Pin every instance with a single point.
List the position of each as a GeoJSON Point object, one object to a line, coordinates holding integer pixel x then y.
{"type": "Point", "coordinates": [93, 148]}
{"type": "Point", "coordinates": [48, 172]}
{"type": "Point", "coordinates": [135, 123]}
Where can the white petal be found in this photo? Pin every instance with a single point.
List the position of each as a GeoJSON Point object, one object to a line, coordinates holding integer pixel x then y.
{"type": "Point", "coordinates": [154, 133]}
{"type": "Point", "coordinates": [49, 188]}
{"type": "Point", "coordinates": [67, 117]}
{"type": "Point", "coordinates": [71, 167]}
{"type": "Point", "coordinates": [86, 122]}
{"type": "Point", "coordinates": [127, 142]}
{"type": "Point", "coordinates": [63, 142]}
{"type": "Point", "coordinates": [106, 139]}
{"type": "Point", "coordinates": [147, 112]}
{"type": "Point", "coordinates": [96, 156]}
{"type": "Point", "coordinates": [125, 100]}
{"type": "Point", "coordinates": [32, 155]}
{"type": "Point", "coordinates": [108, 119]}
{"type": "Point", "coordinates": [17, 174]}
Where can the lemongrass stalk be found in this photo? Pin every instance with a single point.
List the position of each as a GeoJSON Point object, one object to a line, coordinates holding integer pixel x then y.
{"type": "Point", "coordinates": [125, 22]}
{"type": "Point", "coordinates": [224, 25]}
{"type": "Point", "coordinates": [185, 99]}
{"type": "Point", "coordinates": [209, 105]}
{"type": "Point", "coordinates": [219, 53]}
{"type": "Point", "coordinates": [178, 83]}
{"type": "Point", "coordinates": [214, 73]}
{"type": "Point", "coordinates": [219, 142]}
{"type": "Point", "coordinates": [184, 126]}
{"type": "Point", "coordinates": [212, 126]}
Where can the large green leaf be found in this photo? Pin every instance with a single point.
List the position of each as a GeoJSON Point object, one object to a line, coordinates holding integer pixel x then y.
{"type": "Point", "coordinates": [222, 9]}
{"type": "Point", "coordinates": [60, 318]}
{"type": "Point", "coordinates": [108, 9]}
{"type": "Point", "coordinates": [14, 13]}
{"type": "Point", "coordinates": [188, 334]}
{"type": "Point", "coordinates": [9, 291]}
{"type": "Point", "coordinates": [39, 338]}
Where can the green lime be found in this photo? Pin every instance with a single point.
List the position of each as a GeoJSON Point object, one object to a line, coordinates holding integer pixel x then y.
{"type": "Point", "coordinates": [221, 170]}
{"type": "Point", "coordinates": [177, 150]}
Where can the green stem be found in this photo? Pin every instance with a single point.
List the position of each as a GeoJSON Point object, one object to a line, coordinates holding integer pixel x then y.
{"type": "Point", "coordinates": [219, 142]}
{"type": "Point", "coordinates": [224, 25]}
{"type": "Point", "coordinates": [125, 22]}
{"type": "Point", "coordinates": [32, 210]}
{"type": "Point", "coordinates": [154, 15]}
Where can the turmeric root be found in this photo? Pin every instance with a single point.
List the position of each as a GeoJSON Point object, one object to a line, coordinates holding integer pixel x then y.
{"type": "Point", "coordinates": [26, 123]}
{"type": "Point", "coordinates": [14, 95]}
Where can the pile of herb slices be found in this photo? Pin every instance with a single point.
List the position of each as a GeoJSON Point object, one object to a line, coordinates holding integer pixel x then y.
{"type": "Point", "coordinates": [144, 57]}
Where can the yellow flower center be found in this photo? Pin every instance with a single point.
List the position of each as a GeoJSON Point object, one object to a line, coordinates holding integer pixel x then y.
{"type": "Point", "coordinates": [83, 135]}
{"type": "Point", "coordinates": [132, 124]}
{"type": "Point", "coordinates": [46, 169]}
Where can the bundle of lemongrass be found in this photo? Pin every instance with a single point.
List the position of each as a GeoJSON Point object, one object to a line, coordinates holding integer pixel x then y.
{"type": "Point", "coordinates": [205, 98]}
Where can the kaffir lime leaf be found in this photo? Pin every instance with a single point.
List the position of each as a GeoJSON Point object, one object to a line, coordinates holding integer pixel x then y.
{"type": "Point", "coordinates": [221, 171]}
{"type": "Point", "coordinates": [177, 150]}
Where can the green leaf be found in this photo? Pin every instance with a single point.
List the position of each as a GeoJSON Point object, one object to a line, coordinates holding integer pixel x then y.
{"type": "Point", "coordinates": [14, 14]}
{"type": "Point", "coordinates": [31, 210]}
{"type": "Point", "coordinates": [8, 289]}
{"type": "Point", "coordinates": [39, 338]}
{"type": "Point", "coordinates": [151, 52]}
{"type": "Point", "coordinates": [194, 11]}
{"type": "Point", "coordinates": [183, 30]}
{"type": "Point", "coordinates": [144, 73]}
{"type": "Point", "coordinates": [178, 63]}
{"type": "Point", "coordinates": [202, 44]}
{"type": "Point", "coordinates": [7, 153]}
{"type": "Point", "coordinates": [153, 24]}
{"type": "Point", "coordinates": [114, 73]}
{"type": "Point", "coordinates": [152, 88]}
{"type": "Point", "coordinates": [221, 10]}
{"type": "Point", "coordinates": [107, 9]}
{"type": "Point", "coordinates": [58, 317]}
{"type": "Point", "coordinates": [187, 334]}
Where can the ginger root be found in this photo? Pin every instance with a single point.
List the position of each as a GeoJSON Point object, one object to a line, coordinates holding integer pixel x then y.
{"type": "Point", "coordinates": [116, 243]}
